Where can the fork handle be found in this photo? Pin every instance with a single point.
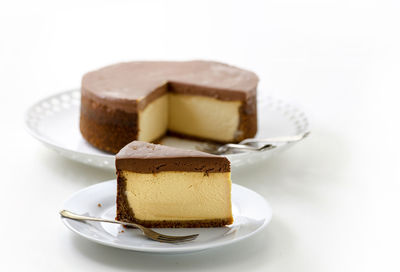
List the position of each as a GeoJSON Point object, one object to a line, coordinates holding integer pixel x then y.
{"type": "Point", "coordinates": [287, 139]}
{"type": "Point", "coordinates": [74, 216]}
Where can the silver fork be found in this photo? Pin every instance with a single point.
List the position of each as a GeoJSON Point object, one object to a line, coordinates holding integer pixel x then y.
{"type": "Point", "coordinates": [246, 144]}
{"type": "Point", "coordinates": [223, 149]}
{"type": "Point", "coordinates": [285, 139]}
{"type": "Point", "coordinates": [151, 234]}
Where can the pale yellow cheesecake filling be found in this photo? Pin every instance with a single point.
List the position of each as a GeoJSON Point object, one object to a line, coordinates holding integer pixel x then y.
{"type": "Point", "coordinates": [204, 117]}
{"type": "Point", "coordinates": [153, 120]}
{"type": "Point", "coordinates": [192, 115]}
{"type": "Point", "coordinates": [174, 195]}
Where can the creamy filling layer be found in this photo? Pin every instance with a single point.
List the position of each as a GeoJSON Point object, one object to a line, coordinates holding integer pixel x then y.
{"type": "Point", "coordinates": [174, 195]}
{"type": "Point", "coordinates": [192, 115]}
{"type": "Point", "coordinates": [153, 120]}
{"type": "Point", "coordinates": [203, 117]}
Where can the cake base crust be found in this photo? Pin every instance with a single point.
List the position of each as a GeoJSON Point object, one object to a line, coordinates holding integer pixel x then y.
{"type": "Point", "coordinates": [216, 223]}
{"type": "Point", "coordinates": [105, 128]}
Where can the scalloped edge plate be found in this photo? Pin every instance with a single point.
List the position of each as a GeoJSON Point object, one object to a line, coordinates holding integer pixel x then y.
{"type": "Point", "coordinates": [55, 122]}
{"type": "Point", "coordinates": [251, 213]}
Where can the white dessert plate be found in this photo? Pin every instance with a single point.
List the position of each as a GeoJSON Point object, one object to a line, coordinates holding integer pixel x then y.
{"type": "Point", "coordinates": [55, 122]}
{"type": "Point", "coordinates": [251, 213]}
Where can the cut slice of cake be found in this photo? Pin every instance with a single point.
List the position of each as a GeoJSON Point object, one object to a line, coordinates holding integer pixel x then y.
{"type": "Point", "coordinates": [166, 187]}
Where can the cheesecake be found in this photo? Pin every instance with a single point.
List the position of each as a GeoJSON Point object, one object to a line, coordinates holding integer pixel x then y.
{"type": "Point", "coordinates": [165, 187]}
{"type": "Point", "coordinates": [144, 101]}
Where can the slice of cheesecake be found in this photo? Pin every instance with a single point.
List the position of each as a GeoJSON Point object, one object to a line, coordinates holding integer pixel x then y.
{"type": "Point", "coordinates": [166, 187]}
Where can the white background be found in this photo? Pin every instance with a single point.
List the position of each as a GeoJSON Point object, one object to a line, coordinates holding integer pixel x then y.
{"type": "Point", "coordinates": [336, 196]}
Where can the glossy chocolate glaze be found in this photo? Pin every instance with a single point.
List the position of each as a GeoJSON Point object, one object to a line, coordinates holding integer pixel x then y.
{"type": "Point", "coordinates": [132, 85]}
{"type": "Point", "coordinates": [144, 157]}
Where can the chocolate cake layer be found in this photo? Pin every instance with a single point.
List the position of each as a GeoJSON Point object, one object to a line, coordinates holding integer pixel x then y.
{"type": "Point", "coordinates": [143, 157]}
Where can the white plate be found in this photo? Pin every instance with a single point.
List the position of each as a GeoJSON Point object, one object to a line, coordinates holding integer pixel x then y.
{"type": "Point", "coordinates": [55, 122]}
{"type": "Point", "coordinates": [251, 213]}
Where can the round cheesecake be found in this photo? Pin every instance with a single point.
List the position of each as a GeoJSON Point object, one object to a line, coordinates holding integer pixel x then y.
{"type": "Point", "coordinates": [146, 100]}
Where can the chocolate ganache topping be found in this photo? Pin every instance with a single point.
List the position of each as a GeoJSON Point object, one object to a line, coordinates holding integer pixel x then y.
{"type": "Point", "coordinates": [144, 157]}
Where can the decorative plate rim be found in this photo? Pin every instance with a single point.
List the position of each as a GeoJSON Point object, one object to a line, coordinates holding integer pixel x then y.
{"type": "Point", "coordinates": [32, 116]}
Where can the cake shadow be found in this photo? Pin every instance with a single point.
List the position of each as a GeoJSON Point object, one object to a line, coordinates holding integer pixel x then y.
{"type": "Point", "coordinates": [250, 251]}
